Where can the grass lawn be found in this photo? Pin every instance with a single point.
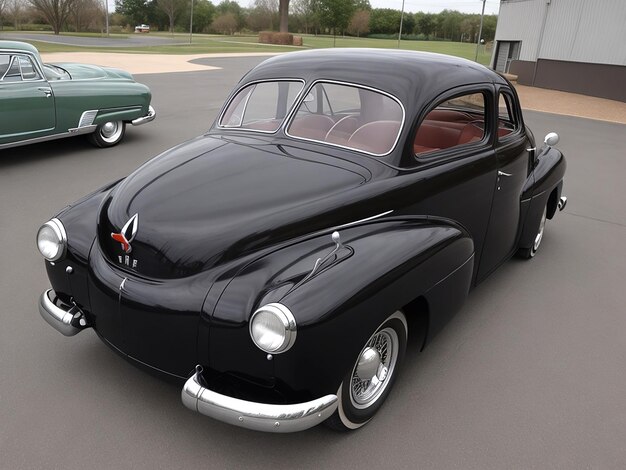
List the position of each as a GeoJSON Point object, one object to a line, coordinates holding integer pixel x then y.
{"type": "Point", "coordinates": [206, 44]}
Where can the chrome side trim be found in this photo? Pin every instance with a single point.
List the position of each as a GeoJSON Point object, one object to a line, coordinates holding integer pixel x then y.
{"type": "Point", "coordinates": [79, 130]}
{"type": "Point", "coordinates": [252, 415]}
{"type": "Point", "coordinates": [66, 321]}
{"type": "Point", "coordinates": [147, 118]}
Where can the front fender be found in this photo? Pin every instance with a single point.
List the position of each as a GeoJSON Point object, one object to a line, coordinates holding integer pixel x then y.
{"type": "Point", "coordinates": [383, 266]}
{"type": "Point", "coordinates": [80, 222]}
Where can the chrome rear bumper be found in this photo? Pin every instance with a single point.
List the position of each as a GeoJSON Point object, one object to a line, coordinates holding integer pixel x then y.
{"type": "Point", "coordinates": [147, 118]}
{"type": "Point", "coordinates": [252, 415]}
{"type": "Point", "coordinates": [68, 320]}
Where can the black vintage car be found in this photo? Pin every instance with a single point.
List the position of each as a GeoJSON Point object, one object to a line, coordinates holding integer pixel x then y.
{"type": "Point", "coordinates": [341, 200]}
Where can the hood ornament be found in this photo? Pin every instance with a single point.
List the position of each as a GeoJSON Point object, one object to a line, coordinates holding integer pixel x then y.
{"type": "Point", "coordinates": [127, 234]}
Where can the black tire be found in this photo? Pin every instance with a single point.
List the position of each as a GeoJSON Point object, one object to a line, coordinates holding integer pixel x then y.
{"type": "Point", "coordinates": [360, 399]}
{"type": "Point", "coordinates": [528, 253]}
{"type": "Point", "coordinates": [108, 134]}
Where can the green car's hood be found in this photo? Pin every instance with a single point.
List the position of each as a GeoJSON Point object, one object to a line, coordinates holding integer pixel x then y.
{"type": "Point", "coordinates": [93, 72]}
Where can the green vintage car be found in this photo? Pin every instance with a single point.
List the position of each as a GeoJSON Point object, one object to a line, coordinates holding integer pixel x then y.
{"type": "Point", "coordinates": [40, 102]}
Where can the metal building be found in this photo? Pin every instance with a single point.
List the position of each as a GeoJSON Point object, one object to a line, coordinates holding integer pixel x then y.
{"type": "Point", "coordinates": [570, 45]}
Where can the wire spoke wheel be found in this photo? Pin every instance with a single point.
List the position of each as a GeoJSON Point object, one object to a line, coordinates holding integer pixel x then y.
{"type": "Point", "coordinates": [369, 380]}
{"type": "Point", "coordinates": [376, 362]}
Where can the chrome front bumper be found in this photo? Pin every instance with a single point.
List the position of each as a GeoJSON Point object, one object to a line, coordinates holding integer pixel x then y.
{"type": "Point", "coordinates": [68, 320]}
{"type": "Point", "coordinates": [257, 416]}
{"type": "Point", "coordinates": [147, 118]}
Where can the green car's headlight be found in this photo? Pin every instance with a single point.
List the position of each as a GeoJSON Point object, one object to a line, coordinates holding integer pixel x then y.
{"type": "Point", "coordinates": [52, 240]}
{"type": "Point", "coordinates": [273, 328]}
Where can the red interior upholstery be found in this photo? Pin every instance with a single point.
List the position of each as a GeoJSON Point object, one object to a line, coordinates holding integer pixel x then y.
{"type": "Point", "coordinates": [444, 129]}
{"type": "Point", "coordinates": [342, 130]}
{"type": "Point", "coordinates": [311, 126]}
{"type": "Point", "coordinates": [376, 137]}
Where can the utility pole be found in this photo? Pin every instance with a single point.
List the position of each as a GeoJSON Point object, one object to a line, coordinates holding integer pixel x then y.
{"type": "Point", "coordinates": [106, 15]}
{"type": "Point", "coordinates": [401, 19]}
{"type": "Point", "coordinates": [480, 31]}
{"type": "Point", "coordinates": [191, 23]}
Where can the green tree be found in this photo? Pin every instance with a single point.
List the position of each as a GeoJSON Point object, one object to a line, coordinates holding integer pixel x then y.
{"type": "Point", "coordinates": [335, 14]}
{"type": "Point", "coordinates": [385, 21]}
{"type": "Point", "coordinates": [203, 13]}
{"type": "Point", "coordinates": [171, 8]}
{"type": "Point", "coordinates": [135, 11]}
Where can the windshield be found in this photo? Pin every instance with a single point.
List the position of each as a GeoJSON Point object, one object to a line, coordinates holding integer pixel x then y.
{"type": "Point", "coordinates": [54, 72]}
{"type": "Point", "coordinates": [261, 106]}
{"type": "Point", "coordinates": [349, 116]}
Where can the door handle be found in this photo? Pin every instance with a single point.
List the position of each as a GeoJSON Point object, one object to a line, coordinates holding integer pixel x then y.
{"type": "Point", "coordinates": [46, 91]}
{"type": "Point", "coordinates": [502, 173]}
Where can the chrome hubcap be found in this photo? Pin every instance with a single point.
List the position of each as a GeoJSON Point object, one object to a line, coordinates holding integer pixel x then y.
{"type": "Point", "coordinates": [373, 368]}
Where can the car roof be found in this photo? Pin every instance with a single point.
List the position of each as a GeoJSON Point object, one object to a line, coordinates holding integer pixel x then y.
{"type": "Point", "coordinates": [405, 74]}
{"type": "Point", "coordinates": [18, 46]}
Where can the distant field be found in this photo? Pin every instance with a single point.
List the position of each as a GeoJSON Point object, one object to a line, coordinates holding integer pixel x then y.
{"type": "Point", "coordinates": [206, 44]}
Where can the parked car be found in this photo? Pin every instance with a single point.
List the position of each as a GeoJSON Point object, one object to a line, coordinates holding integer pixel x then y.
{"type": "Point", "coordinates": [142, 28]}
{"type": "Point", "coordinates": [277, 264]}
{"type": "Point", "coordinates": [40, 102]}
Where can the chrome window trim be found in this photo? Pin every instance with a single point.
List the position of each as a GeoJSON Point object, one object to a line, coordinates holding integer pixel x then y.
{"type": "Point", "coordinates": [290, 118]}
{"type": "Point", "coordinates": [15, 53]}
{"type": "Point", "coordinates": [256, 82]}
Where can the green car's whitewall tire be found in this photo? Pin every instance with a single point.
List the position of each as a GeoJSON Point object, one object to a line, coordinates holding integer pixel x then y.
{"type": "Point", "coordinates": [108, 134]}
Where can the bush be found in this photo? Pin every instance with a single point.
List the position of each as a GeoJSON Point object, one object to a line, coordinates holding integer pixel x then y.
{"type": "Point", "coordinates": [270, 37]}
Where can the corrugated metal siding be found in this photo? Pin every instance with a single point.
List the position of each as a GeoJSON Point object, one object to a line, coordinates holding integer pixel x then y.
{"type": "Point", "coordinates": [521, 21]}
{"type": "Point", "coordinates": [586, 31]}
{"type": "Point", "coordinates": [576, 30]}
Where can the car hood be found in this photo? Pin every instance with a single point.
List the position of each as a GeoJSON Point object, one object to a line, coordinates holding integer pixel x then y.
{"type": "Point", "coordinates": [93, 72]}
{"type": "Point", "coordinates": [211, 200]}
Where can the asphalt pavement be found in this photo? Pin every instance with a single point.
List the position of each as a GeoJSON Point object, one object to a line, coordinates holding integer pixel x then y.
{"type": "Point", "coordinates": [530, 374]}
{"type": "Point", "coordinates": [132, 40]}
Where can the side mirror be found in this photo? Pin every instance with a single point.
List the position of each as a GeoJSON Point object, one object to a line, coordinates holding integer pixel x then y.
{"type": "Point", "coordinates": [551, 139]}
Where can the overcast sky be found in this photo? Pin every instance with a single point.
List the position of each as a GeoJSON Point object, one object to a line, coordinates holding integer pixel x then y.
{"type": "Point", "coordinates": [431, 6]}
{"type": "Point", "coordinates": [435, 6]}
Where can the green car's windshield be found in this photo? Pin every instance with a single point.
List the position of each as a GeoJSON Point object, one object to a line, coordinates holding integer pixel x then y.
{"type": "Point", "coordinates": [54, 72]}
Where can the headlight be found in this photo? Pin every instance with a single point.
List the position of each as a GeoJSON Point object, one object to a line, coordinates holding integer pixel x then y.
{"type": "Point", "coordinates": [52, 240]}
{"type": "Point", "coordinates": [273, 328]}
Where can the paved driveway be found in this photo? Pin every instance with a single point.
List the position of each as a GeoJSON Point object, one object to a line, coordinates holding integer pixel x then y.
{"type": "Point", "coordinates": [133, 40]}
{"type": "Point", "coordinates": [530, 374]}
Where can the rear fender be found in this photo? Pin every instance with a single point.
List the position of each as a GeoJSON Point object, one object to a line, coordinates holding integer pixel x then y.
{"type": "Point", "coordinates": [544, 188]}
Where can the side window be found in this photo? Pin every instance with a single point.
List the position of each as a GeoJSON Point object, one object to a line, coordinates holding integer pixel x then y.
{"type": "Point", "coordinates": [13, 74]}
{"type": "Point", "coordinates": [29, 72]}
{"type": "Point", "coordinates": [454, 122]}
{"type": "Point", "coordinates": [507, 121]}
{"type": "Point", "coordinates": [5, 59]}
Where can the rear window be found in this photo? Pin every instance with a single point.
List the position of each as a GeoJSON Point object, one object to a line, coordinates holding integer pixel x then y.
{"type": "Point", "coordinates": [349, 116]}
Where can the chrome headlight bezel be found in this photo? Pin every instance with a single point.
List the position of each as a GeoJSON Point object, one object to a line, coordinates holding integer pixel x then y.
{"type": "Point", "coordinates": [284, 317]}
{"type": "Point", "coordinates": [61, 239]}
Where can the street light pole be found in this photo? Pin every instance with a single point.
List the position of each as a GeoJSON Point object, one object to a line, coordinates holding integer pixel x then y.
{"type": "Point", "coordinates": [106, 15]}
{"type": "Point", "coordinates": [480, 31]}
{"type": "Point", "coordinates": [401, 19]}
{"type": "Point", "coordinates": [191, 23]}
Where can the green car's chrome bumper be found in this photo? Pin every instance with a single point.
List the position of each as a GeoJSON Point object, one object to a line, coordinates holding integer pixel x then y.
{"type": "Point", "coordinates": [147, 118]}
